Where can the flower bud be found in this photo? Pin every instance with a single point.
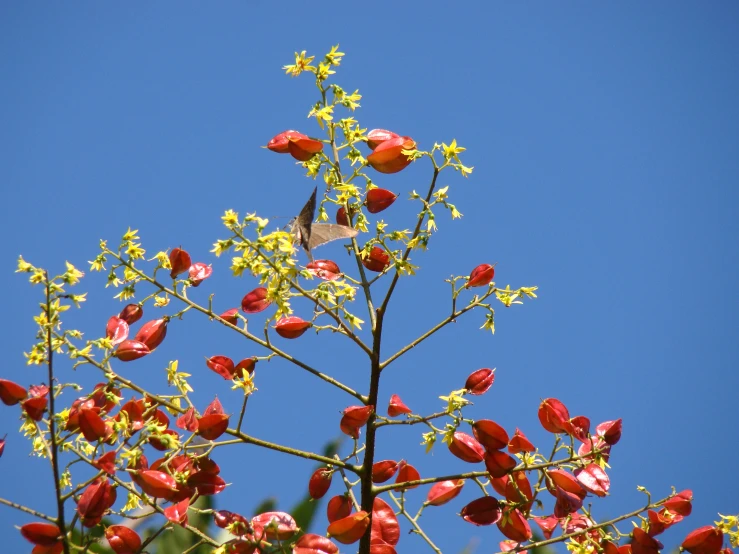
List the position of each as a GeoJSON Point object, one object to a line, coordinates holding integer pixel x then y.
{"type": "Point", "coordinates": [388, 156]}
{"type": "Point", "coordinates": [130, 350]}
{"type": "Point", "coordinates": [397, 407]}
{"type": "Point", "coordinates": [11, 393]}
{"type": "Point", "coordinates": [199, 272]}
{"type": "Point", "coordinates": [180, 262]}
{"type": "Point", "coordinates": [291, 327]}
{"type": "Point", "coordinates": [350, 529]}
{"type": "Point", "coordinates": [255, 301]}
{"type": "Point", "coordinates": [131, 313]}
{"type": "Point", "coordinates": [377, 260]}
{"type": "Point", "coordinates": [152, 333]}
{"type": "Point", "coordinates": [481, 276]}
{"type": "Point", "coordinates": [483, 511]}
{"type": "Point", "coordinates": [116, 330]}
{"type": "Point", "coordinates": [480, 381]}
{"type": "Point", "coordinates": [378, 200]}
{"type": "Point", "coordinates": [466, 448]}
{"type": "Point", "coordinates": [122, 539]}
{"type": "Point", "coordinates": [298, 145]}
{"type": "Point", "coordinates": [319, 482]}
{"type": "Point", "coordinates": [444, 491]}
{"type": "Point", "coordinates": [377, 136]}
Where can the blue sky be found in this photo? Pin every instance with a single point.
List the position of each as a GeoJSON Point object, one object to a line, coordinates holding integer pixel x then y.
{"type": "Point", "coordinates": [604, 140]}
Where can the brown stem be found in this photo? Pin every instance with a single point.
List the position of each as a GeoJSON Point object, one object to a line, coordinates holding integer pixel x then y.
{"type": "Point", "coordinates": [413, 521]}
{"type": "Point", "coordinates": [52, 424]}
{"type": "Point", "coordinates": [31, 511]}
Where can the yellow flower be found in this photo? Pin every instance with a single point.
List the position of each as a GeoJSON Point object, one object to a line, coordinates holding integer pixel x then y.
{"type": "Point", "coordinates": [301, 64]}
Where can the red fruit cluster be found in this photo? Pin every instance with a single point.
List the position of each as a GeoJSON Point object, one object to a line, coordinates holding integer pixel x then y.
{"type": "Point", "coordinates": [387, 151]}
{"type": "Point", "coordinates": [298, 145]}
{"type": "Point", "coordinates": [181, 262]}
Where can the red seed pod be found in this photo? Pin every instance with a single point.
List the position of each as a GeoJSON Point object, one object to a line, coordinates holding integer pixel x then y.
{"type": "Point", "coordinates": [255, 301]}
{"type": "Point", "coordinates": [561, 479]}
{"type": "Point", "coordinates": [116, 330]}
{"type": "Point", "coordinates": [199, 272]}
{"type": "Point", "coordinates": [610, 431]}
{"type": "Point", "coordinates": [388, 156]}
{"type": "Point", "coordinates": [166, 440]}
{"type": "Point", "coordinates": [491, 435]}
{"type": "Point", "coordinates": [131, 313]}
{"type": "Point", "coordinates": [377, 260]}
{"type": "Point", "coordinates": [106, 463]}
{"type": "Point", "coordinates": [397, 407]}
{"type": "Point", "coordinates": [341, 217]}
{"type": "Point", "coordinates": [704, 540]}
{"type": "Point", "coordinates": [385, 528]}
{"type": "Point", "coordinates": [247, 364]}
{"type": "Point", "coordinates": [518, 489]}
{"type": "Point", "coordinates": [298, 145]}
{"type": "Point", "coordinates": [406, 472]}
{"type": "Point", "coordinates": [338, 508]}
{"type": "Point", "coordinates": [274, 525]}
{"type": "Point", "coordinates": [384, 470]}
{"type": "Point", "coordinates": [594, 479]}
{"type": "Point", "coordinates": [357, 416]}
{"type": "Point", "coordinates": [222, 365]}
{"type": "Point", "coordinates": [11, 393]}
{"type": "Point", "coordinates": [324, 269]}
{"type": "Point", "coordinates": [514, 526]}
{"type": "Point", "coordinates": [314, 544]}
{"type": "Point", "coordinates": [122, 539]}
{"type": "Point", "coordinates": [238, 523]}
{"type": "Point", "coordinates": [547, 525]}
{"type": "Point", "coordinates": [152, 333]}
{"type": "Point", "coordinates": [230, 316]}
{"type": "Point", "coordinates": [481, 276]}
{"type": "Point", "coordinates": [41, 534]}
{"type": "Point", "coordinates": [483, 511]}
{"type": "Point", "coordinates": [466, 448]}
{"type": "Point", "coordinates": [642, 543]}
{"type": "Point", "coordinates": [319, 482]}
{"type": "Point", "coordinates": [519, 443]}
{"type": "Point", "coordinates": [212, 426]}
{"type": "Point", "coordinates": [291, 327]}
{"type": "Point", "coordinates": [279, 143]}
{"type": "Point", "coordinates": [554, 416]}
{"type": "Point", "coordinates": [350, 529]}
{"type": "Point", "coordinates": [177, 513]}
{"type": "Point", "coordinates": [681, 503]}
{"type": "Point", "coordinates": [378, 200]}
{"type": "Point", "coordinates": [660, 521]}
{"type": "Point", "coordinates": [92, 425]}
{"type": "Point", "coordinates": [35, 407]}
{"type": "Point", "coordinates": [95, 501]}
{"type": "Point", "coordinates": [130, 350]}
{"type": "Point", "coordinates": [155, 483]}
{"type": "Point", "coordinates": [592, 445]}
{"type": "Point", "coordinates": [499, 463]}
{"type": "Point", "coordinates": [207, 484]}
{"type": "Point", "coordinates": [444, 491]}
{"type": "Point", "coordinates": [480, 381]}
{"type": "Point", "coordinates": [377, 136]}
{"type": "Point", "coordinates": [180, 262]}
{"type": "Point", "coordinates": [580, 428]}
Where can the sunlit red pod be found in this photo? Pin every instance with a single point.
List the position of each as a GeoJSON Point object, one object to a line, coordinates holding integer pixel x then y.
{"type": "Point", "coordinates": [177, 513]}
{"type": "Point", "coordinates": [580, 428]}
{"type": "Point", "coordinates": [610, 431]}
{"type": "Point", "coordinates": [207, 484]}
{"type": "Point", "coordinates": [299, 146]}
{"type": "Point", "coordinates": [237, 524]}
{"type": "Point", "coordinates": [513, 525]}
{"type": "Point", "coordinates": [131, 313]}
{"type": "Point", "coordinates": [661, 521]}
{"type": "Point", "coordinates": [520, 443]}
{"type": "Point", "coordinates": [41, 534]}
{"type": "Point", "coordinates": [341, 217]}
{"type": "Point", "coordinates": [444, 491]}
{"type": "Point", "coordinates": [11, 393]}
{"type": "Point", "coordinates": [122, 539]}
{"type": "Point", "coordinates": [466, 448]}
{"type": "Point", "coordinates": [554, 416]}
{"type": "Point", "coordinates": [106, 462]}
{"type": "Point", "coordinates": [180, 261]}
{"type": "Point", "coordinates": [378, 200]}
{"type": "Point", "coordinates": [681, 503]}
{"type": "Point", "coordinates": [92, 425]}
{"type": "Point", "coordinates": [642, 543]}
{"type": "Point", "coordinates": [388, 156]}
{"type": "Point", "coordinates": [292, 327]}
{"type": "Point", "coordinates": [130, 350]}
{"type": "Point", "coordinates": [491, 435]}
{"type": "Point", "coordinates": [406, 473]}
{"type": "Point", "coordinates": [274, 525]}
{"type": "Point", "coordinates": [255, 301]}
{"type": "Point", "coordinates": [377, 260]}
{"type": "Point", "coordinates": [481, 276]}
{"type": "Point", "coordinates": [385, 528]}
{"type": "Point", "coordinates": [96, 499]}
{"type": "Point", "coordinates": [547, 525]}
{"type": "Point", "coordinates": [314, 544]}
{"type": "Point", "coordinates": [338, 508]}
{"type": "Point", "coordinates": [230, 316]}
{"type": "Point", "coordinates": [499, 463]}
{"type": "Point", "coordinates": [350, 529]}
{"type": "Point", "coordinates": [116, 330]}
{"type": "Point", "coordinates": [397, 407]}
{"type": "Point", "coordinates": [152, 333]}
{"type": "Point", "coordinates": [222, 365]}
{"type": "Point", "coordinates": [212, 426]}
{"type": "Point", "coordinates": [377, 136]}
{"type": "Point", "coordinates": [35, 407]}
{"type": "Point", "coordinates": [319, 482]}
{"type": "Point", "coordinates": [518, 490]}
{"type": "Point", "coordinates": [155, 483]}
{"type": "Point", "coordinates": [166, 440]}
{"type": "Point", "coordinates": [482, 511]}
{"type": "Point", "coordinates": [704, 540]}
{"type": "Point", "coordinates": [593, 479]}
{"type": "Point", "coordinates": [247, 364]}
{"type": "Point", "coordinates": [324, 269]}
{"type": "Point", "coordinates": [384, 470]}
{"type": "Point", "coordinates": [357, 416]}
{"type": "Point", "coordinates": [480, 381]}
{"type": "Point", "coordinates": [199, 272]}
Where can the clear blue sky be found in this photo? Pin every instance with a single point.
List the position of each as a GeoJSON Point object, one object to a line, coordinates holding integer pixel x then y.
{"type": "Point", "coordinates": [604, 140]}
